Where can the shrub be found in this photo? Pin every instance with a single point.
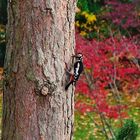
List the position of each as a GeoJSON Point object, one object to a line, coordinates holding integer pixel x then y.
{"type": "Point", "coordinates": [128, 131]}
{"type": "Point", "coordinates": [124, 15]}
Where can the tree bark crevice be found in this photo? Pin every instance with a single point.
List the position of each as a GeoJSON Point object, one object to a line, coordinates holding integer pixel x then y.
{"type": "Point", "coordinates": [40, 41]}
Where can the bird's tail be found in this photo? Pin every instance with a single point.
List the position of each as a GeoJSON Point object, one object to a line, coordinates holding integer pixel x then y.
{"type": "Point", "coordinates": [67, 86]}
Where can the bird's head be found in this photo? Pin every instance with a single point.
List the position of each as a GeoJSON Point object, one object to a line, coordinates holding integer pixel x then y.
{"type": "Point", "coordinates": [78, 56]}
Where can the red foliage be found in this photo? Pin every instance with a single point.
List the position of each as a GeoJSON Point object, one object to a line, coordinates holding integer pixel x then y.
{"type": "Point", "coordinates": [123, 14]}
{"type": "Point", "coordinates": [109, 62]}
{"type": "Point", "coordinates": [83, 107]}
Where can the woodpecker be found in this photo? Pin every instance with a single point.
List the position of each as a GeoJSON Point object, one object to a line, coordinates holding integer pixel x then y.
{"type": "Point", "coordinates": [78, 68]}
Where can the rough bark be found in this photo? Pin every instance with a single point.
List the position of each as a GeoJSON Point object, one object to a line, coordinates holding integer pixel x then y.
{"type": "Point", "coordinates": [40, 36]}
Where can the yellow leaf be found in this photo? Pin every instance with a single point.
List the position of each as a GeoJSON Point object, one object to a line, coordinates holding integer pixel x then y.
{"type": "Point", "coordinates": [83, 33]}
{"type": "Point", "coordinates": [91, 18]}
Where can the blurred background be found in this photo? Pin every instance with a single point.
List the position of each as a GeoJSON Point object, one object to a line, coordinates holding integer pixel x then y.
{"type": "Point", "coordinates": [107, 98]}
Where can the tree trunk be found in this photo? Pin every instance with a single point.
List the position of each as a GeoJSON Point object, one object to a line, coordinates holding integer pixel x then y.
{"type": "Point", "coordinates": [40, 40]}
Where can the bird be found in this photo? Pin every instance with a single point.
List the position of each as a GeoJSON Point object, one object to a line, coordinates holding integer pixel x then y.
{"type": "Point", "coordinates": [77, 68]}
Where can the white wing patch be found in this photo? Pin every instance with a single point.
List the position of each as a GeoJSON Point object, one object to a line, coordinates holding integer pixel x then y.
{"type": "Point", "coordinates": [76, 71]}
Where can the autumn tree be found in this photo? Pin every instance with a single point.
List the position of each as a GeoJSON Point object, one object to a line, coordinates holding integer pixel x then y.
{"type": "Point", "coordinates": [40, 39]}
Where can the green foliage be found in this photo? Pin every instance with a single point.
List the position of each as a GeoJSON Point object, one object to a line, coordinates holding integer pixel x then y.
{"type": "Point", "coordinates": [128, 131]}
{"type": "Point", "coordinates": [126, 1]}
{"type": "Point", "coordinates": [3, 11]}
{"type": "Point", "coordinates": [91, 26]}
{"type": "Point", "coordinates": [90, 5]}
{"type": "Point", "coordinates": [3, 21]}
{"type": "Point", "coordinates": [83, 5]}
{"type": "Point", "coordinates": [2, 33]}
{"type": "Point", "coordinates": [89, 21]}
{"type": "Point", "coordinates": [86, 22]}
{"type": "Point", "coordinates": [121, 20]}
{"type": "Point", "coordinates": [85, 128]}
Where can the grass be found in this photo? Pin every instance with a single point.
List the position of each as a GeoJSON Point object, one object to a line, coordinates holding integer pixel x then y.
{"type": "Point", "coordinates": [85, 128]}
